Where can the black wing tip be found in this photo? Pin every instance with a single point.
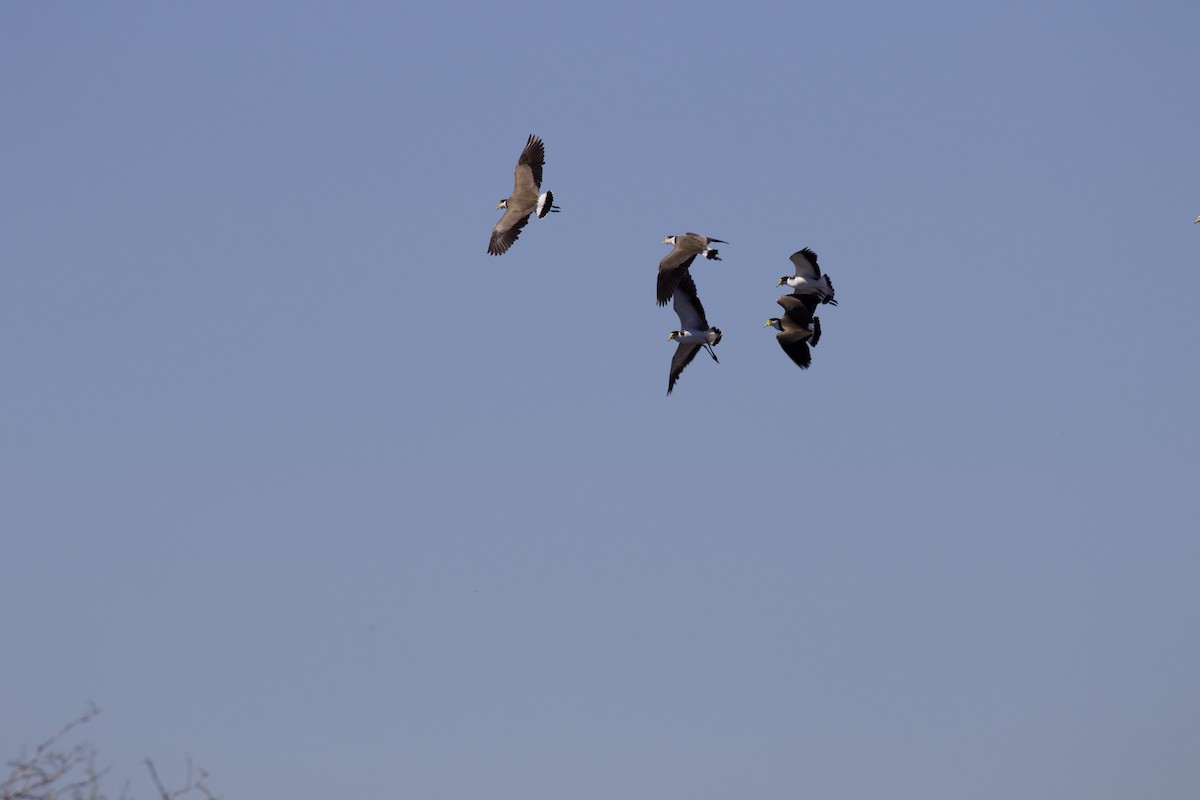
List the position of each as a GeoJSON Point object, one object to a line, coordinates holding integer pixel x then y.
{"type": "Point", "coordinates": [498, 245]}
{"type": "Point", "coordinates": [534, 157]}
{"type": "Point", "coordinates": [667, 284]}
{"type": "Point", "coordinates": [800, 355]}
{"type": "Point", "coordinates": [503, 238]}
{"type": "Point", "coordinates": [665, 290]}
{"type": "Point", "coordinates": [534, 145]}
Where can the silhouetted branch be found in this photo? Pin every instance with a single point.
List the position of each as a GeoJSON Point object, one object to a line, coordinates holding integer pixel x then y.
{"type": "Point", "coordinates": [198, 784]}
{"type": "Point", "coordinates": [55, 772]}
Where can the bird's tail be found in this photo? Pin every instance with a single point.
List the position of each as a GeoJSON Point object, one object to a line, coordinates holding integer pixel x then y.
{"type": "Point", "coordinates": [711, 255]}
{"type": "Point", "coordinates": [816, 332]}
{"type": "Point", "coordinates": [715, 334]}
{"type": "Point", "coordinates": [546, 204]}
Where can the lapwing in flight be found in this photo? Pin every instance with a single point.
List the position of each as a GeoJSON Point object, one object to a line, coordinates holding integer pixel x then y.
{"type": "Point", "coordinates": [675, 264]}
{"type": "Point", "coordinates": [798, 328]}
{"type": "Point", "coordinates": [808, 279]}
{"type": "Point", "coordinates": [527, 197]}
{"type": "Point", "coordinates": [693, 332]}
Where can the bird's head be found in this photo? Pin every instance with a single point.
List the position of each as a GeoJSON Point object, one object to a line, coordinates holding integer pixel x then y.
{"type": "Point", "coordinates": [774, 322]}
{"type": "Point", "coordinates": [674, 335]}
{"type": "Point", "coordinates": [503, 203]}
{"type": "Point", "coordinates": [669, 240]}
{"type": "Point", "coordinates": [1197, 220]}
{"type": "Point", "coordinates": [782, 281]}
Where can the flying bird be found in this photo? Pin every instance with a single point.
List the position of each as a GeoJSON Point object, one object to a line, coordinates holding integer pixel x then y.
{"type": "Point", "coordinates": [808, 278]}
{"type": "Point", "coordinates": [693, 332]}
{"type": "Point", "coordinates": [525, 198]}
{"type": "Point", "coordinates": [798, 328]}
{"type": "Point", "coordinates": [675, 264]}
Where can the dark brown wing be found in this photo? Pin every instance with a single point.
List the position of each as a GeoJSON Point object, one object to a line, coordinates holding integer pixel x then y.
{"type": "Point", "coordinates": [671, 269]}
{"type": "Point", "coordinates": [534, 157]}
{"type": "Point", "coordinates": [506, 231]}
{"type": "Point", "coordinates": [799, 307]}
{"type": "Point", "coordinates": [684, 354]}
{"type": "Point", "coordinates": [795, 344]}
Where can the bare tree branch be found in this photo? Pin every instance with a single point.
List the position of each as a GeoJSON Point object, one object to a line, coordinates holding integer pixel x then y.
{"type": "Point", "coordinates": [51, 772]}
{"type": "Point", "coordinates": [193, 784]}
{"type": "Point", "coordinates": [56, 772]}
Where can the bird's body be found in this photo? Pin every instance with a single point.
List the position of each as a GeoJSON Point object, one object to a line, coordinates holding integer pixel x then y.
{"type": "Point", "coordinates": [808, 278]}
{"type": "Point", "coordinates": [694, 331]}
{"type": "Point", "coordinates": [798, 328]}
{"type": "Point", "coordinates": [527, 197]}
{"type": "Point", "coordinates": [675, 264]}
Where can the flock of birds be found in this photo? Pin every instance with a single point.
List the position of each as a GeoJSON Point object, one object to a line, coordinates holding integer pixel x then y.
{"type": "Point", "coordinates": [798, 328]}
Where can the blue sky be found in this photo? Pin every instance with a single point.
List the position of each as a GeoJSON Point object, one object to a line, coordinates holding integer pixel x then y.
{"type": "Point", "coordinates": [298, 480]}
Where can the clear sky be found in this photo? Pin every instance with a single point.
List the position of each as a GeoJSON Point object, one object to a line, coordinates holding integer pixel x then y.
{"type": "Point", "coordinates": [297, 479]}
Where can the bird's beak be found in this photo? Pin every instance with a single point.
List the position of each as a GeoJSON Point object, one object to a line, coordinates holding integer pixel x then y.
{"type": "Point", "coordinates": [1197, 220]}
{"type": "Point", "coordinates": [670, 336]}
{"type": "Point", "coordinates": [782, 281]}
{"type": "Point", "coordinates": [667, 240]}
{"type": "Point", "coordinates": [767, 324]}
{"type": "Point", "coordinates": [500, 204]}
